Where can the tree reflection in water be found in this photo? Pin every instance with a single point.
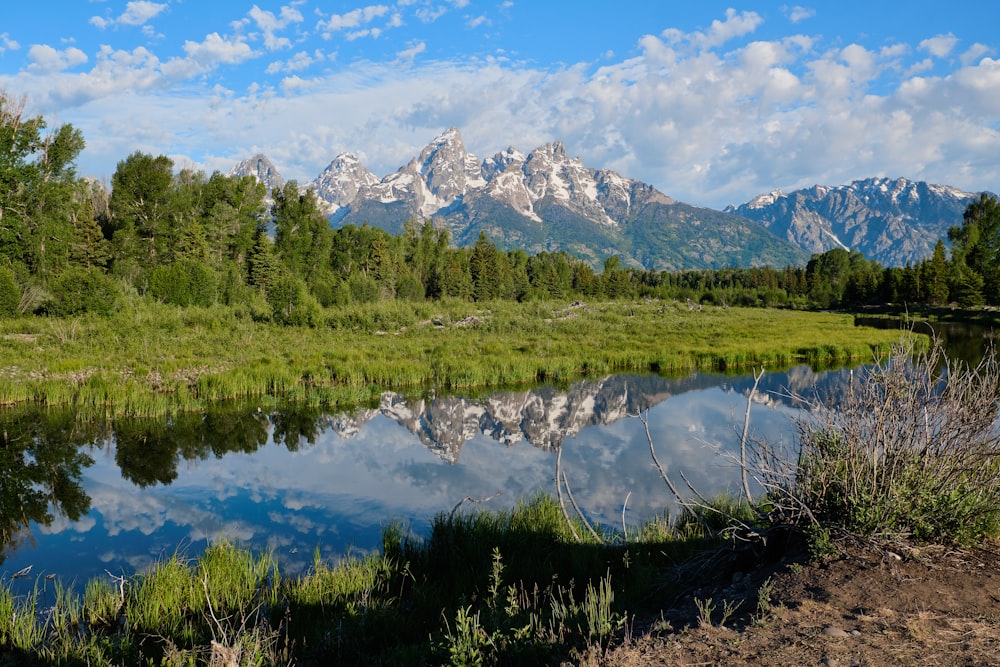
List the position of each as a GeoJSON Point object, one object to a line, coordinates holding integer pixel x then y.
{"type": "Point", "coordinates": [42, 458]}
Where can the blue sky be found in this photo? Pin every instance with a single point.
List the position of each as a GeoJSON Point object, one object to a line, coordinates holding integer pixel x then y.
{"type": "Point", "coordinates": [711, 102]}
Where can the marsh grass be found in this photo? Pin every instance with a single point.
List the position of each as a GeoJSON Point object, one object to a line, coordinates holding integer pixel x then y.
{"type": "Point", "coordinates": [152, 359]}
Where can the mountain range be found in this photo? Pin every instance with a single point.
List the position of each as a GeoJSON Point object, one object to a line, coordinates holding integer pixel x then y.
{"type": "Point", "coordinates": [545, 416]}
{"type": "Point", "coordinates": [546, 200]}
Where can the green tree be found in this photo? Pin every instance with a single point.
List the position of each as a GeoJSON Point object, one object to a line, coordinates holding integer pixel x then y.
{"type": "Point", "coordinates": [140, 209]}
{"type": "Point", "coordinates": [37, 179]}
{"type": "Point", "coordinates": [935, 276]}
{"type": "Point", "coordinates": [303, 238]}
{"type": "Point", "coordinates": [976, 243]}
{"type": "Point", "coordinates": [84, 290]}
{"type": "Point", "coordinates": [10, 293]}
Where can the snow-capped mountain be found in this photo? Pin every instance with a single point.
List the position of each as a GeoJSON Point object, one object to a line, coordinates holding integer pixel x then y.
{"type": "Point", "coordinates": [338, 185]}
{"type": "Point", "coordinates": [545, 200]}
{"type": "Point", "coordinates": [892, 221]}
{"type": "Point", "coordinates": [260, 168]}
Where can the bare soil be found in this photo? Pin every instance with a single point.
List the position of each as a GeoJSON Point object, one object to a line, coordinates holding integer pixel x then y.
{"type": "Point", "coordinates": [875, 604]}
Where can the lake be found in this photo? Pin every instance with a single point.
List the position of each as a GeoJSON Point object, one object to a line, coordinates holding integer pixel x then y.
{"type": "Point", "coordinates": [78, 499]}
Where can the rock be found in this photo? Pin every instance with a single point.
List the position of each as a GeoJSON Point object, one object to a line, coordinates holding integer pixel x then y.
{"type": "Point", "coordinates": [839, 633]}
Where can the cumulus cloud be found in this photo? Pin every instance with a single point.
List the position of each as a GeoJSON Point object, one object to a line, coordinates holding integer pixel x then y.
{"type": "Point", "coordinates": [797, 13]}
{"type": "Point", "coordinates": [352, 19]}
{"type": "Point", "coordinates": [46, 59]}
{"type": "Point", "coordinates": [974, 53]}
{"type": "Point", "coordinates": [270, 24]}
{"type": "Point", "coordinates": [939, 46]}
{"type": "Point", "coordinates": [412, 51]}
{"type": "Point", "coordinates": [137, 12]}
{"type": "Point", "coordinates": [8, 44]}
{"type": "Point", "coordinates": [215, 49]}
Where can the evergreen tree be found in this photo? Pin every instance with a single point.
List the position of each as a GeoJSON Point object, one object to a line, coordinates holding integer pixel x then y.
{"type": "Point", "coordinates": [976, 244]}
{"type": "Point", "coordinates": [303, 238]}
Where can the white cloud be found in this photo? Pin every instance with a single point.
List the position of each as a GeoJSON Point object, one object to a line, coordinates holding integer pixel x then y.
{"type": "Point", "coordinates": [412, 51]}
{"type": "Point", "coordinates": [974, 53]}
{"type": "Point", "coordinates": [270, 24]}
{"type": "Point", "coordinates": [216, 50]}
{"type": "Point", "coordinates": [477, 21]}
{"type": "Point", "coordinates": [8, 44]}
{"type": "Point", "coordinates": [352, 19]}
{"type": "Point", "coordinates": [797, 13]}
{"type": "Point", "coordinates": [720, 32]}
{"type": "Point", "coordinates": [300, 61]}
{"type": "Point", "coordinates": [137, 12]}
{"type": "Point", "coordinates": [46, 59]}
{"type": "Point", "coordinates": [939, 46]}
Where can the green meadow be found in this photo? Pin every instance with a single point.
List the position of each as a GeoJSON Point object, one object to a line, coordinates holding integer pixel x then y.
{"type": "Point", "coordinates": [149, 358]}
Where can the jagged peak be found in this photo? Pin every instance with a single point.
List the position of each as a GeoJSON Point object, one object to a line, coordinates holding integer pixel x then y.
{"type": "Point", "coordinates": [555, 149]}
{"type": "Point", "coordinates": [261, 168]}
{"type": "Point", "coordinates": [760, 201]}
{"type": "Point", "coordinates": [345, 159]}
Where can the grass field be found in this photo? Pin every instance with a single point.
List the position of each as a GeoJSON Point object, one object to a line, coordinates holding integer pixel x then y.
{"type": "Point", "coordinates": [151, 359]}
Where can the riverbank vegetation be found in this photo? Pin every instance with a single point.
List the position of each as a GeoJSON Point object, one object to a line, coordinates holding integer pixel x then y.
{"type": "Point", "coordinates": [151, 358]}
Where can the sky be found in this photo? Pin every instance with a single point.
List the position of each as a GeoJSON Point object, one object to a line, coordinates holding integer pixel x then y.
{"type": "Point", "coordinates": [710, 102]}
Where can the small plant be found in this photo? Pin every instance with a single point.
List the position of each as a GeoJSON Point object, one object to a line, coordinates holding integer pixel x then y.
{"type": "Point", "coordinates": [705, 610]}
{"type": "Point", "coordinates": [764, 602]}
{"type": "Point", "coordinates": [820, 543]}
{"type": "Point", "coordinates": [466, 644]}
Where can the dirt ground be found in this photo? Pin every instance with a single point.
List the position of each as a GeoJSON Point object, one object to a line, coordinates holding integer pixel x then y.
{"type": "Point", "coordinates": [876, 604]}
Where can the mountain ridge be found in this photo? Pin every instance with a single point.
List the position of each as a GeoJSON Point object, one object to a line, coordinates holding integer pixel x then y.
{"type": "Point", "coordinates": [545, 200]}
{"type": "Point", "coordinates": [892, 221]}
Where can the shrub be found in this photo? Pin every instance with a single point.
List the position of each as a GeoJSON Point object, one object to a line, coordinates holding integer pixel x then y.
{"type": "Point", "coordinates": [909, 449]}
{"type": "Point", "coordinates": [292, 303]}
{"type": "Point", "coordinates": [186, 282]}
{"type": "Point", "coordinates": [84, 290]}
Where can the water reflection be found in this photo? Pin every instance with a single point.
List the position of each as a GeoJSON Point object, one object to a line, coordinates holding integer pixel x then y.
{"type": "Point", "coordinates": [114, 497]}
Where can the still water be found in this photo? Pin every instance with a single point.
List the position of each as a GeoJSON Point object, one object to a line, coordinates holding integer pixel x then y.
{"type": "Point", "coordinates": [81, 499]}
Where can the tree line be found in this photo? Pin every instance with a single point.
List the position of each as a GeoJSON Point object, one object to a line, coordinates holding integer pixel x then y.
{"type": "Point", "coordinates": [70, 245]}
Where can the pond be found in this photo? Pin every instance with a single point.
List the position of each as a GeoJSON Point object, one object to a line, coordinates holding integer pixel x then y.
{"type": "Point", "coordinates": [78, 499]}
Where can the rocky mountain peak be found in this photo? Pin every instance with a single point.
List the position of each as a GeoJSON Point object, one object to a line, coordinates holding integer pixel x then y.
{"type": "Point", "coordinates": [260, 168]}
{"type": "Point", "coordinates": [338, 185]}
{"type": "Point", "coordinates": [447, 168]}
{"type": "Point", "coordinates": [890, 220]}
{"type": "Point", "coordinates": [544, 200]}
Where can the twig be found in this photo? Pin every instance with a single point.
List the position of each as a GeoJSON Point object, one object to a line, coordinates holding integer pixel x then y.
{"type": "Point", "coordinates": [746, 427]}
{"type": "Point", "coordinates": [624, 528]}
{"type": "Point", "coordinates": [562, 503]}
{"type": "Point", "coordinates": [474, 501]}
{"type": "Point", "coordinates": [572, 500]}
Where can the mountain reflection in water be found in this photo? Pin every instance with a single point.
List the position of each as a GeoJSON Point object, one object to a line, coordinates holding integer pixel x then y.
{"type": "Point", "coordinates": [80, 498]}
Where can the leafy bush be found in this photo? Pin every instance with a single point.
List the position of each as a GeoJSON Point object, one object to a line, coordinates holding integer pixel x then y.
{"type": "Point", "coordinates": [910, 450]}
{"type": "Point", "coordinates": [292, 303]}
{"type": "Point", "coordinates": [186, 282]}
{"type": "Point", "coordinates": [84, 290]}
